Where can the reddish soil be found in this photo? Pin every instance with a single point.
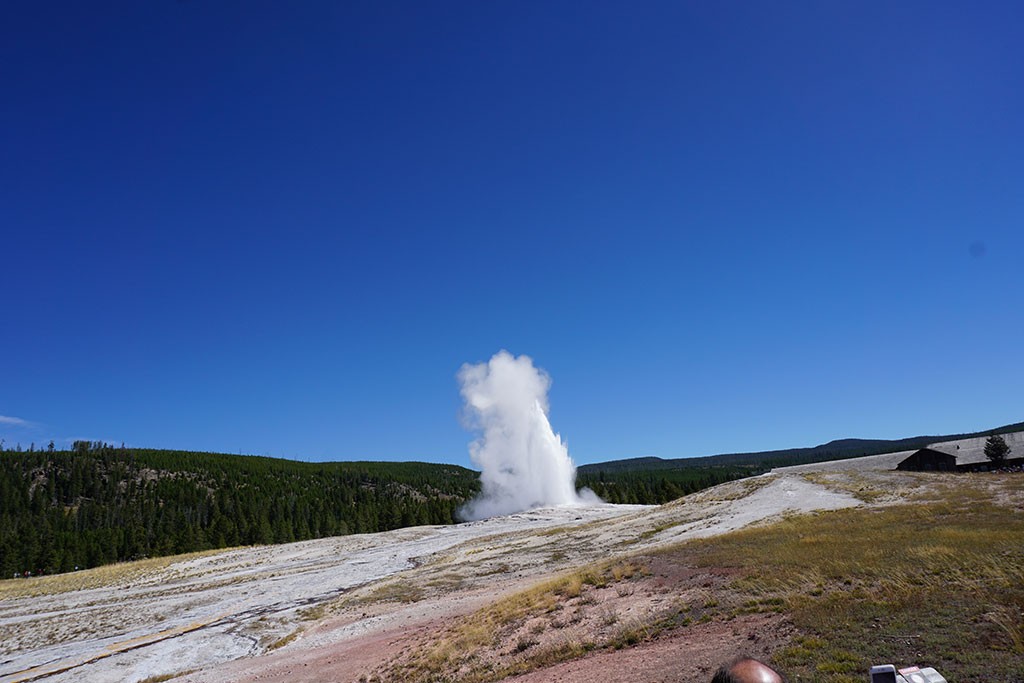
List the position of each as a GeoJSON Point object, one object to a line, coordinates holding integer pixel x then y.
{"type": "Point", "coordinates": [341, 662]}
{"type": "Point", "coordinates": [685, 655]}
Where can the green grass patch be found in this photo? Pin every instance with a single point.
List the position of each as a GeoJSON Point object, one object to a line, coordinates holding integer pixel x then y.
{"type": "Point", "coordinates": [397, 591]}
{"type": "Point", "coordinates": [644, 535]}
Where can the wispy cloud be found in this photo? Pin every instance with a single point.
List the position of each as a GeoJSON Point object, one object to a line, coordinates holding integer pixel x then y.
{"type": "Point", "coordinates": [15, 421]}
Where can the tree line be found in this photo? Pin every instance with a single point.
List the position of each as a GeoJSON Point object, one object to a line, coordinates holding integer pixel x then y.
{"type": "Point", "coordinates": [655, 486]}
{"type": "Point", "coordinates": [97, 504]}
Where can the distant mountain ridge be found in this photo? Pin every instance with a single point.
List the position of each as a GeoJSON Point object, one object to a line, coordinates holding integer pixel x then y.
{"type": "Point", "coordinates": [838, 449]}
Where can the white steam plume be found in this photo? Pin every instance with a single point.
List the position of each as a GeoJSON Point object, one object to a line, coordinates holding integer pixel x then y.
{"type": "Point", "coordinates": [523, 463]}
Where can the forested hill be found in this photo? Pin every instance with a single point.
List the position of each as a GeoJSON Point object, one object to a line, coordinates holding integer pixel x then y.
{"type": "Point", "coordinates": [98, 504]}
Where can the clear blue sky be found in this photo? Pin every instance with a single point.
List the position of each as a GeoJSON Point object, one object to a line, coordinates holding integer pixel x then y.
{"type": "Point", "coordinates": [281, 227]}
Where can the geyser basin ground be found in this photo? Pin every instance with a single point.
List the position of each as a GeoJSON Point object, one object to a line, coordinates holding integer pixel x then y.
{"type": "Point", "coordinates": [221, 606]}
{"type": "Point", "coordinates": [214, 615]}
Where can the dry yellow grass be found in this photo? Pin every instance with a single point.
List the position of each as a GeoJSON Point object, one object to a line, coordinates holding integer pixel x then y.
{"type": "Point", "coordinates": [166, 677]}
{"type": "Point", "coordinates": [281, 642]}
{"type": "Point", "coordinates": [98, 577]}
{"type": "Point", "coordinates": [490, 626]}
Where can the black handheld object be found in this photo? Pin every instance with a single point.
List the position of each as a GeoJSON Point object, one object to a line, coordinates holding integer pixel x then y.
{"type": "Point", "coordinates": [883, 673]}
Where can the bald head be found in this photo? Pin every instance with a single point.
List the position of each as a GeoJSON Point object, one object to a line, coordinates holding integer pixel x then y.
{"type": "Point", "coordinates": [747, 670]}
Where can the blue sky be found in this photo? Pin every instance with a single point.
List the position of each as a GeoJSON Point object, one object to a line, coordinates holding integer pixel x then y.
{"type": "Point", "coordinates": [281, 228]}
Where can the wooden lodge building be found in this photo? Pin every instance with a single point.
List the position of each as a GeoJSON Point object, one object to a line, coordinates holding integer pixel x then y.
{"type": "Point", "coordinates": [965, 455]}
{"type": "Point", "coordinates": [929, 460]}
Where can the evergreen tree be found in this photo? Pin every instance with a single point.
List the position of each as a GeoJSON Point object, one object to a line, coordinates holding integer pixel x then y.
{"type": "Point", "coordinates": [996, 449]}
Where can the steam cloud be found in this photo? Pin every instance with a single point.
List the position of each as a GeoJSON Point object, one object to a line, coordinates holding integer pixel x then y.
{"type": "Point", "coordinates": [523, 463]}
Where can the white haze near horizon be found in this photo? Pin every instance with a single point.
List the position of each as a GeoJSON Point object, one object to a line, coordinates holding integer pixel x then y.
{"type": "Point", "coordinates": [523, 463]}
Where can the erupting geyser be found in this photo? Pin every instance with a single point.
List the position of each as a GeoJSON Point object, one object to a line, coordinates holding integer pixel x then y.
{"type": "Point", "coordinates": [523, 463]}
